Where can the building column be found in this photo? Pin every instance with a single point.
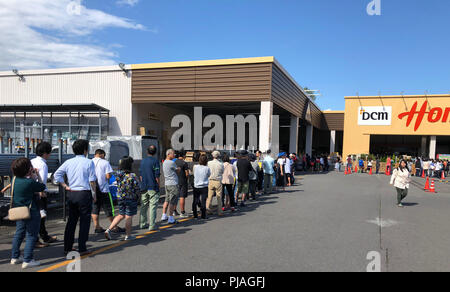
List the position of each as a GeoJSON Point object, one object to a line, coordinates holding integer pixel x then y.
{"type": "Point", "coordinates": [309, 139]}
{"type": "Point", "coordinates": [423, 148]}
{"type": "Point", "coordinates": [265, 126]}
{"type": "Point", "coordinates": [293, 135]}
{"type": "Point", "coordinates": [332, 141]}
{"type": "Point", "coordinates": [433, 147]}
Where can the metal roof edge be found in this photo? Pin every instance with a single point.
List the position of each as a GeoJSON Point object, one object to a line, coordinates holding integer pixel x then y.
{"type": "Point", "coordinates": [216, 62]}
{"type": "Point", "coordinates": [295, 82]}
{"type": "Point", "coordinates": [63, 70]}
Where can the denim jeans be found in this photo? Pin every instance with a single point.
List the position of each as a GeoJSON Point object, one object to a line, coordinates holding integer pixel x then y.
{"type": "Point", "coordinates": [30, 229]}
{"type": "Point", "coordinates": [268, 183]}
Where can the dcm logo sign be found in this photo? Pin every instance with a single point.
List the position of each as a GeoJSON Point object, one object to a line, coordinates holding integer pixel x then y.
{"type": "Point", "coordinates": [375, 116]}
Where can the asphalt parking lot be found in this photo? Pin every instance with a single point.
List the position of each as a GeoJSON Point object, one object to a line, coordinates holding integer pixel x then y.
{"type": "Point", "coordinates": [326, 222]}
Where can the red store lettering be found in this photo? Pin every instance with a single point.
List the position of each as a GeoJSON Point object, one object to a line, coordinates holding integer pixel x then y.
{"type": "Point", "coordinates": [433, 116]}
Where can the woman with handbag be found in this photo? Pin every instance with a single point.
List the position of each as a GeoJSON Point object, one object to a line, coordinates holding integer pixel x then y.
{"type": "Point", "coordinates": [25, 211]}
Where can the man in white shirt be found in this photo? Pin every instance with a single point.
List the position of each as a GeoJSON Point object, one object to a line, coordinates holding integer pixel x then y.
{"type": "Point", "coordinates": [287, 170]}
{"type": "Point", "coordinates": [281, 173]}
{"type": "Point", "coordinates": [103, 171]}
{"type": "Point", "coordinates": [43, 151]}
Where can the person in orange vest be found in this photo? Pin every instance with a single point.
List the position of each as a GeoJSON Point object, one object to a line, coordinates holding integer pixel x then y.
{"type": "Point", "coordinates": [446, 167]}
{"type": "Point", "coordinates": [388, 165]}
{"type": "Point", "coordinates": [401, 179]}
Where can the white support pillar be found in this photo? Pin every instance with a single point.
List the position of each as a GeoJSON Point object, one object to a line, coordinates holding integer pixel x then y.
{"type": "Point", "coordinates": [433, 147]}
{"type": "Point", "coordinates": [332, 141]}
{"type": "Point", "coordinates": [309, 139]}
{"type": "Point", "coordinates": [265, 126]}
{"type": "Point", "coordinates": [423, 148]}
{"type": "Point", "coordinates": [293, 135]}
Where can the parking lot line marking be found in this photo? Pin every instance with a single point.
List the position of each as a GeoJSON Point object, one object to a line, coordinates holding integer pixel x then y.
{"type": "Point", "coordinates": [98, 251]}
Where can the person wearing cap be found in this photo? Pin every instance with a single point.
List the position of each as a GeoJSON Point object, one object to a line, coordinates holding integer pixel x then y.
{"type": "Point", "coordinates": [215, 182]}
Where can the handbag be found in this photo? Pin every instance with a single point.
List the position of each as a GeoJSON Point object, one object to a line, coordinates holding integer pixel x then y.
{"type": "Point", "coordinates": [19, 213]}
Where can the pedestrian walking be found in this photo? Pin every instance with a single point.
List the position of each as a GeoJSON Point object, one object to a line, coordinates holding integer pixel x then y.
{"type": "Point", "coordinates": [149, 175]}
{"type": "Point", "coordinates": [103, 173]}
{"type": "Point", "coordinates": [128, 189]}
{"type": "Point", "coordinates": [170, 171]}
{"type": "Point", "coordinates": [26, 183]}
{"type": "Point", "coordinates": [401, 179]}
{"type": "Point", "coordinates": [215, 183]}
{"type": "Point", "coordinates": [81, 194]}
{"type": "Point", "coordinates": [201, 181]}
{"type": "Point", "coordinates": [43, 152]}
{"type": "Point", "coordinates": [229, 173]}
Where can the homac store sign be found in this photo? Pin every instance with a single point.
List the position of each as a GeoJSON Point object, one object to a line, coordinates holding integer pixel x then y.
{"type": "Point", "coordinates": [419, 114]}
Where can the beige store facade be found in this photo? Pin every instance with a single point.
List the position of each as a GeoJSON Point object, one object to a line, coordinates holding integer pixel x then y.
{"type": "Point", "coordinates": [413, 125]}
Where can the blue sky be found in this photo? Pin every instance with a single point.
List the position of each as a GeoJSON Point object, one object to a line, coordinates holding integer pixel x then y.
{"type": "Point", "coordinates": [331, 45]}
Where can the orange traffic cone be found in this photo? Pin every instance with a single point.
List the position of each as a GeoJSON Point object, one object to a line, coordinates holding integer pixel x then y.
{"type": "Point", "coordinates": [423, 173]}
{"type": "Point", "coordinates": [432, 189]}
{"type": "Point", "coordinates": [427, 184]}
{"type": "Point", "coordinates": [442, 175]}
{"type": "Point", "coordinates": [356, 168]}
{"type": "Point", "coordinates": [346, 171]}
{"type": "Point", "coordinates": [370, 173]}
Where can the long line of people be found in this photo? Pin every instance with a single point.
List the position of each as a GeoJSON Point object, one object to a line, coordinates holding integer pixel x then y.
{"type": "Point", "coordinates": [87, 189]}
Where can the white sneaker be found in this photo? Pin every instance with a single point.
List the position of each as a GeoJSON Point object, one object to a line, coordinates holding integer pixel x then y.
{"type": "Point", "coordinates": [17, 261]}
{"type": "Point", "coordinates": [184, 215]}
{"type": "Point", "coordinates": [31, 264]}
{"type": "Point", "coordinates": [164, 217]}
{"type": "Point", "coordinates": [129, 238]}
{"type": "Point", "coordinates": [43, 214]}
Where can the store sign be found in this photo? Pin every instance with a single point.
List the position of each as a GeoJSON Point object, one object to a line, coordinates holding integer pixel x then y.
{"type": "Point", "coordinates": [434, 115]}
{"type": "Point", "coordinates": [443, 156]}
{"type": "Point", "coordinates": [375, 116]}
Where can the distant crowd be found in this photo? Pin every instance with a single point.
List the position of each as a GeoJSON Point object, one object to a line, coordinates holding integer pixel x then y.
{"type": "Point", "coordinates": [417, 166]}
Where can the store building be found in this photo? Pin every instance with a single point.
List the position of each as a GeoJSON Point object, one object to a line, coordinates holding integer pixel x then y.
{"type": "Point", "coordinates": [143, 99]}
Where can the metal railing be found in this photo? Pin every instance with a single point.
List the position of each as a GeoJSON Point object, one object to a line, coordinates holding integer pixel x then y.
{"type": "Point", "coordinates": [54, 162]}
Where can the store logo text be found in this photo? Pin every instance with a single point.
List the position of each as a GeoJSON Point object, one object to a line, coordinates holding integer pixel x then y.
{"type": "Point", "coordinates": [433, 116]}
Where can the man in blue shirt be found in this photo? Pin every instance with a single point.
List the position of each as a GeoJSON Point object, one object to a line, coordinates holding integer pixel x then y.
{"type": "Point", "coordinates": [150, 172]}
{"type": "Point", "coordinates": [268, 165]}
{"type": "Point", "coordinates": [80, 173]}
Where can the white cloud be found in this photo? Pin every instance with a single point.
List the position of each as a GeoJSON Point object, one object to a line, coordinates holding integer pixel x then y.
{"type": "Point", "coordinates": [127, 2]}
{"type": "Point", "coordinates": [53, 33]}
